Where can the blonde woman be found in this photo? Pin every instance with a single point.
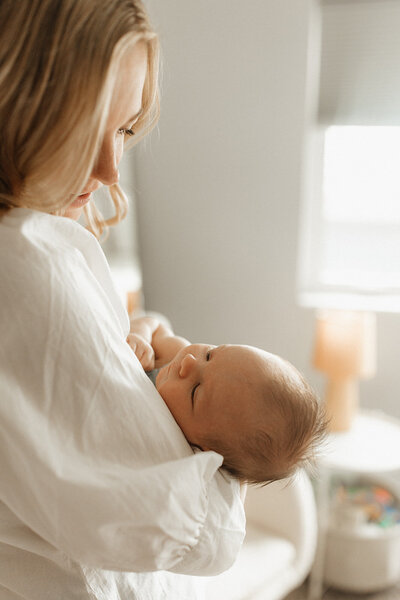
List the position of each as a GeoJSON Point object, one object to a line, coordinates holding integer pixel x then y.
{"type": "Point", "coordinates": [101, 496]}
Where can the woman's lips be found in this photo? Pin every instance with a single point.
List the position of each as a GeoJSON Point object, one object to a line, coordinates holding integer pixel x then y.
{"type": "Point", "coordinates": [81, 200]}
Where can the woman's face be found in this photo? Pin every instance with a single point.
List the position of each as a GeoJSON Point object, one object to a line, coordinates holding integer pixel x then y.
{"type": "Point", "coordinates": [124, 111]}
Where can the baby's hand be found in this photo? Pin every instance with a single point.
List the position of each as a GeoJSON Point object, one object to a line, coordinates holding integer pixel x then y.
{"type": "Point", "coordinates": [142, 349]}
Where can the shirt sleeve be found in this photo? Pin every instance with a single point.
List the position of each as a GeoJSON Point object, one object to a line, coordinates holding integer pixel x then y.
{"type": "Point", "coordinates": [91, 458]}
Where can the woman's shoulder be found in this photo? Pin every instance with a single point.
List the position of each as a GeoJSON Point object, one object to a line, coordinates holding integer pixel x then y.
{"type": "Point", "coordinates": [42, 255]}
{"type": "Point", "coordinates": [30, 249]}
{"type": "Point", "coordinates": [37, 240]}
{"type": "Point", "coordinates": [35, 247]}
{"type": "Point", "coordinates": [22, 229]}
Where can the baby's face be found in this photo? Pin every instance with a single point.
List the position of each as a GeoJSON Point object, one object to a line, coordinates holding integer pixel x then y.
{"type": "Point", "coordinates": [208, 389]}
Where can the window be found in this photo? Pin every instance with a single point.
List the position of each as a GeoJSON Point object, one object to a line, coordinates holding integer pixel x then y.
{"type": "Point", "coordinates": [350, 230]}
{"type": "Point", "coordinates": [355, 260]}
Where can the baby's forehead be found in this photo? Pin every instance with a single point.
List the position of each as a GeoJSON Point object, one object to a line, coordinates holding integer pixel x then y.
{"type": "Point", "coordinates": [245, 356]}
{"type": "Point", "coordinates": [241, 366]}
{"type": "Point", "coordinates": [248, 367]}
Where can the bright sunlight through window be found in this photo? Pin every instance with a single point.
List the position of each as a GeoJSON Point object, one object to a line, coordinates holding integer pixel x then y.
{"type": "Point", "coordinates": [351, 244]}
{"type": "Point", "coordinates": [362, 174]}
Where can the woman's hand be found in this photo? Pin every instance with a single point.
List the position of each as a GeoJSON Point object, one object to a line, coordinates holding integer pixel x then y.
{"type": "Point", "coordinates": [142, 349]}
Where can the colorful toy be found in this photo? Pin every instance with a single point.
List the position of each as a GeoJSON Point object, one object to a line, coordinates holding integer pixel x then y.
{"type": "Point", "coordinates": [372, 503]}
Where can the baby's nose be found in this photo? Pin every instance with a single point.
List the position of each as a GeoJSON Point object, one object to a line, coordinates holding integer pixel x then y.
{"type": "Point", "coordinates": [187, 364]}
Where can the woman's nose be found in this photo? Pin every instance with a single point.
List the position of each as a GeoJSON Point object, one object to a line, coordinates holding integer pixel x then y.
{"type": "Point", "coordinates": [106, 167]}
{"type": "Point", "coordinates": [187, 365]}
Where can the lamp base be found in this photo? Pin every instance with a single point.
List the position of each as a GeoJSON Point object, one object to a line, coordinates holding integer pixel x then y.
{"type": "Point", "coordinates": [341, 402]}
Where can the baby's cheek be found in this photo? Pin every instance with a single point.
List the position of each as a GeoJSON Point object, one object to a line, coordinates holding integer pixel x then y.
{"type": "Point", "coordinates": [164, 391]}
{"type": "Point", "coordinates": [174, 399]}
{"type": "Point", "coordinates": [169, 400]}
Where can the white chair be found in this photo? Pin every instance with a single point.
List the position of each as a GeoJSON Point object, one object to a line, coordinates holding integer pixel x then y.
{"type": "Point", "coordinates": [279, 547]}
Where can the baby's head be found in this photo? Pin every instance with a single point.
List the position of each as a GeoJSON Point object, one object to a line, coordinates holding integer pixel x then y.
{"type": "Point", "coordinates": [248, 405]}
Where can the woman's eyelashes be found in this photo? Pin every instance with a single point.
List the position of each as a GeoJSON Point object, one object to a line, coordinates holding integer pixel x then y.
{"type": "Point", "coordinates": [128, 132]}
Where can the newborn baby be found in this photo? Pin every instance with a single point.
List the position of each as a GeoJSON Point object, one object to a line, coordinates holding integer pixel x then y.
{"type": "Point", "coordinates": [250, 406]}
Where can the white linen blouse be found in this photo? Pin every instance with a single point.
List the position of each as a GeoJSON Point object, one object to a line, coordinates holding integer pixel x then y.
{"type": "Point", "coordinates": [101, 496]}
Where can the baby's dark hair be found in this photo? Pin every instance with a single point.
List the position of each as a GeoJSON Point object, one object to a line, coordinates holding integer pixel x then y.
{"type": "Point", "coordinates": [288, 427]}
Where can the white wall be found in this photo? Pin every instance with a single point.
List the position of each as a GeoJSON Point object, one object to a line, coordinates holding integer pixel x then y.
{"type": "Point", "coordinates": [219, 183]}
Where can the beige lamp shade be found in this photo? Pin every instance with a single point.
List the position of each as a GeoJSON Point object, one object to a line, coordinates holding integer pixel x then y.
{"type": "Point", "coordinates": [345, 344]}
{"type": "Point", "coordinates": [345, 350]}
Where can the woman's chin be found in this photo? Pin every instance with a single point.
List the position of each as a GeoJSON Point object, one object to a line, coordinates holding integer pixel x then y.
{"type": "Point", "coordinates": [73, 213]}
{"type": "Point", "coordinates": [74, 210]}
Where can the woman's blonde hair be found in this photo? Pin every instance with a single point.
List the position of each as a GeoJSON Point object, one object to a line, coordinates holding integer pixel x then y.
{"type": "Point", "coordinates": [58, 65]}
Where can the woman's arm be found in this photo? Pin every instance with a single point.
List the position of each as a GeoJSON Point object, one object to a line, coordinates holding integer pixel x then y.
{"type": "Point", "coordinates": [92, 461]}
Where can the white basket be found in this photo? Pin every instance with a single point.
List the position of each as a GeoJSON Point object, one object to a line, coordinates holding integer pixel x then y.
{"type": "Point", "coordinates": [364, 560]}
{"type": "Point", "coordinates": [360, 556]}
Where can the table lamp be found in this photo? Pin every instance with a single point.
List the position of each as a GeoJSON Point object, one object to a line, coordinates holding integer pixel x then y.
{"type": "Point", "coordinates": [345, 350]}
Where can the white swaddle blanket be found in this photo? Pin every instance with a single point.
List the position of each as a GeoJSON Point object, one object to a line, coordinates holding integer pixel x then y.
{"type": "Point", "coordinates": [96, 475]}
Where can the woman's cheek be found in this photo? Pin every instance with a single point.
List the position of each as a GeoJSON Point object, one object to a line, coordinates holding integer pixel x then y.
{"type": "Point", "coordinates": [119, 151]}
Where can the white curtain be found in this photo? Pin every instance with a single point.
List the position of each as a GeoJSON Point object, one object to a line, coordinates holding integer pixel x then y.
{"type": "Point", "coordinates": [350, 234]}
{"type": "Point", "coordinates": [360, 62]}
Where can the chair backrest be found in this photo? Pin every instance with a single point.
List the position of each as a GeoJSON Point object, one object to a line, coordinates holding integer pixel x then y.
{"type": "Point", "coordinates": [287, 509]}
